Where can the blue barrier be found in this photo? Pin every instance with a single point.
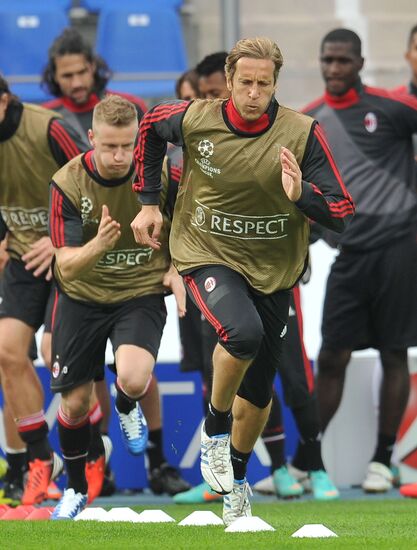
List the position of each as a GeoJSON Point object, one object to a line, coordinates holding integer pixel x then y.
{"type": "Point", "coordinates": [182, 408]}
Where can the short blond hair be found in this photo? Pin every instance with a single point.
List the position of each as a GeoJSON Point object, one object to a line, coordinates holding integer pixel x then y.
{"type": "Point", "coordinates": [256, 48]}
{"type": "Point", "coordinates": [114, 111]}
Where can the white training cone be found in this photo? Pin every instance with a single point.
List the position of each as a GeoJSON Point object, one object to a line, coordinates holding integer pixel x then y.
{"type": "Point", "coordinates": [205, 517]}
{"type": "Point", "coordinates": [121, 514]}
{"type": "Point", "coordinates": [89, 514]}
{"type": "Point", "coordinates": [154, 516]}
{"type": "Point", "coordinates": [314, 530]}
{"type": "Point", "coordinates": [249, 524]}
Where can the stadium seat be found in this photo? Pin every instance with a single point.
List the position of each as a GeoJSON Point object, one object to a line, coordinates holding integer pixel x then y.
{"type": "Point", "coordinates": [99, 5]}
{"type": "Point", "coordinates": [25, 36]}
{"type": "Point", "coordinates": [36, 4]}
{"type": "Point", "coordinates": [144, 48]}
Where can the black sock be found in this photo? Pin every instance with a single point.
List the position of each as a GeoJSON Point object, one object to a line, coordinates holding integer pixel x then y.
{"type": "Point", "coordinates": [239, 463]}
{"type": "Point", "coordinates": [155, 451]}
{"type": "Point", "coordinates": [217, 422]}
{"type": "Point", "coordinates": [96, 448]}
{"type": "Point", "coordinates": [37, 442]}
{"type": "Point", "coordinates": [18, 465]}
{"type": "Point", "coordinates": [124, 404]}
{"type": "Point", "coordinates": [384, 447]}
{"type": "Point", "coordinates": [273, 435]}
{"type": "Point", "coordinates": [308, 456]}
{"type": "Point", "coordinates": [75, 441]}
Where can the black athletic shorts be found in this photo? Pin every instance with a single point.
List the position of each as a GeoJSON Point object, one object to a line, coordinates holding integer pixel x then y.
{"type": "Point", "coordinates": [49, 321]}
{"type": "Point", "coordinates": [33, 350]}
{"type": "Point", "coordinates": [198, 340]}
{"type": "Point", "coordinates": [81, 330]}
{"type": "Point", "coordinates": [371, 299]}
{"type": "Point", "coordinates": [249, 325]}
{"type": "Point", "coordinates": [24, 296]}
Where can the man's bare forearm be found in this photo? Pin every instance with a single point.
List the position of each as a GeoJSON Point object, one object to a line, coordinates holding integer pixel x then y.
{"type": "Point", "coordinates": [74, 262]}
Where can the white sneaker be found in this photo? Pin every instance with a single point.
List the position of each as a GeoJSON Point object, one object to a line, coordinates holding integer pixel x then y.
{"type": "Point", "coordinates": [378, 478]}
{"type": "Point", "coordinates": [236, 504]}
{"type": "Point", "coordinates": [265, 486]}
{"type": "Point", "coordinates": [301, 476]}
{"type": "Point", "coordinates": [216, 464]}
{"type": "Point", "coordinates": [70, 505]}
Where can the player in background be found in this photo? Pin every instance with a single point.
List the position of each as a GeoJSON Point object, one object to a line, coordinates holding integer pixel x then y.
{"type": "Point", "coordinates": [410, 489]}
{"type": "Point", "coordinates": [371, 289]}
{"type": "Point", "coordinates": [34, 143]}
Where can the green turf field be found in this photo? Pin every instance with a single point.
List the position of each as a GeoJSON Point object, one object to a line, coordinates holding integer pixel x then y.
{"type": "Point", "coordinates": [387, 524]}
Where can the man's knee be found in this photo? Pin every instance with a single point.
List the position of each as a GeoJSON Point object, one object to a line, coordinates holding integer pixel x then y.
{"type": "Point", "coordinates": [134, 376]}
{"type": "Point", "coordinates": [12, 361]}
{"type": "Point", "coordinates": [76, 403]}
{"type": "Point", "coordinates": [246, 409]}
{"type": "Point", "coordinates": [247, 339]}
{"type": "Point", "coordinates": [135, 387]}
{"type": "Point", "coordinates": [333, 363]}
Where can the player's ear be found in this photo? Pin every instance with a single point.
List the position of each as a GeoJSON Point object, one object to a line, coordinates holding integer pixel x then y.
{"type": "Point", "coordinates": [4, 102]}
{"type": "Point", "coordinates": [93, 65]}
{"type": "Point", "coordinates": [91, 138]}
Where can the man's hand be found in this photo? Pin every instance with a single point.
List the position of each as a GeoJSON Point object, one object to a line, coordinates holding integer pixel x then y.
{"type": "Point", "coordinates": [173, 280]}
{"type": "Point", "coordinates": [291, 175]}
{"type": "Point", "coordinates": [39, 258]}
{"type": "Point", "coordinates": [149, 217]}
{"type": "Point", "coordinates": [108, 231]}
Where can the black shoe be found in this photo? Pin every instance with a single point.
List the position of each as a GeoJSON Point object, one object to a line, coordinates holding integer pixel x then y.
{"type": "Point", "coordinates": [12, 492]}
{"type": "Point", "coordinates": [167, 479]}
{"type": "Point", "coordinates": [13, 487]}
{"type": "Point", "coordinates": [109, 485]}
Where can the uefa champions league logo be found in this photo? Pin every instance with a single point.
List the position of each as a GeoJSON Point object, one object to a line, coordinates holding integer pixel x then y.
{"type": "Point", "coordinates": [205, 148]}
{"type": "Point", "coordinates": [200, 216]}
{"type": "Point", "coordinates": [86, 206]}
